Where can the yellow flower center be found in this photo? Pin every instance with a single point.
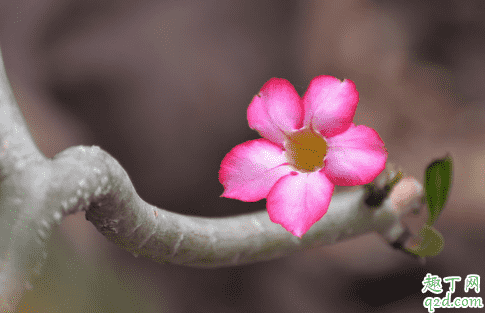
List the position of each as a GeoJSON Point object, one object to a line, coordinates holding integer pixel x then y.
{"type": "Point", "coordinates": [306, 150]}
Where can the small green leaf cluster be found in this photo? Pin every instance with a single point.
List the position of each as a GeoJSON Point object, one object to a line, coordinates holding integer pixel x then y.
{"type": "Point", "coordinates": [438, 179]}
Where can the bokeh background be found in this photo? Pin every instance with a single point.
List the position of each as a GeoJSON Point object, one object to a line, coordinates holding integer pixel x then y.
{"type": "Point", "coordinates": [164, 86]}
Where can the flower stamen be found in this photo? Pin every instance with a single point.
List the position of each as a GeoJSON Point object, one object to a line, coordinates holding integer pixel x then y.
{"type": "Point", "coordinates": [306, 150]}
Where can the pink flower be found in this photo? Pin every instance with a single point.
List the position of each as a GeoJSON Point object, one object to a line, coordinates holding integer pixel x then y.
{"type": "Point", "coordinates": [310, 145]}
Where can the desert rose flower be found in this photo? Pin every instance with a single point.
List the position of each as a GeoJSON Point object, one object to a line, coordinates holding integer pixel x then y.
{"type": "Point", "coordinates": [310, 145]}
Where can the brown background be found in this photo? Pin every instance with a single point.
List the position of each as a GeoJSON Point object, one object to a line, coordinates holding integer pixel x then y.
{"type": "Point", "coordinates": [164, 86]}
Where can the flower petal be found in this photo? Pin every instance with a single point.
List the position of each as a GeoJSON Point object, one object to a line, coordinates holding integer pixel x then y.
{"type": "Point", "coordinates": [330, 105]}
{"type": "Point", "coordinates": [275, 110]}
{"type": "Point", "coordinates": [299, 200]}
{"type": "Point", "coordinates": [249, 170]}
{"type": "Point", "coordinates": [355, 157]}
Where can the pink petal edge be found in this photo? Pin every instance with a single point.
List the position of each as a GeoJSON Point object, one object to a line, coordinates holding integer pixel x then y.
{"type": "Point", "coordinates": [330, 104]}
{"type": "Point", "coordinates": [276, 109]}
{"type": "Point", "coordinates": [249, 170]}
{"type": "Point", "coordinates": [297, 201]}
{"type": "Point", "coordinates": [355, 157]}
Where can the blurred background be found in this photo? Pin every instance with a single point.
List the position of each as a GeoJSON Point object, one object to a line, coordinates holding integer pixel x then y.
{"type": "Point", "coordinates": [164, 86]}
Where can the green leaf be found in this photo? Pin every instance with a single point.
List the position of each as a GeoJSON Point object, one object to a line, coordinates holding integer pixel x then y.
{"type": "Point", "coordinates": [438, 179]}
{"type": "Point", "coordinates": [432, 243]}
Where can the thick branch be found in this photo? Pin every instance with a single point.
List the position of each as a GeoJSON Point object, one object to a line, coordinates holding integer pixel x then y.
{"type": "Point", "coordinates": [116, 210]}
{"type": "Point", "coordinates": [17, 146]}
{"type": "Point", "coordinates": [143, 229]}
